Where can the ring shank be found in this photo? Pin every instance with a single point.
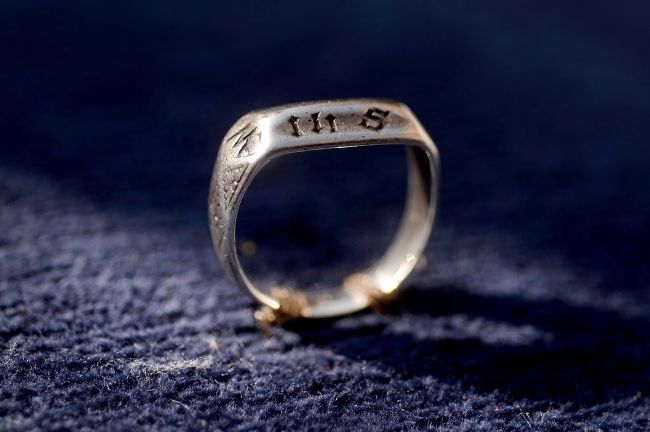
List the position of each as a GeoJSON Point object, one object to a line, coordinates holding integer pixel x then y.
{"type": "Point", "coordinates": [263, 135]}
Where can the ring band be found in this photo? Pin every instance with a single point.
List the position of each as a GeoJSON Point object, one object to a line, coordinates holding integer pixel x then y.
{"type": "Point", "coordinates": [260, 136]}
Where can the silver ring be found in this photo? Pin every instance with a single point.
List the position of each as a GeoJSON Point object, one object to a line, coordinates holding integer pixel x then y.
{"type": "Point", "coordinates": [260, 136]}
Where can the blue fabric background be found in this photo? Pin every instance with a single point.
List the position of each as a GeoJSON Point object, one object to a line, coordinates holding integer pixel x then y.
{"type": "Point", "coordinates": [532, 312]}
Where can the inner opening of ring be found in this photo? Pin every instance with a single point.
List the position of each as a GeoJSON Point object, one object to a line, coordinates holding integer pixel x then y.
{"type": "Point", "coordinates": [310, 220]}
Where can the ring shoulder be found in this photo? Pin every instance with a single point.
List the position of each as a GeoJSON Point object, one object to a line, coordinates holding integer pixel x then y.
{"type": "Point", "coordinates": [233, 168]}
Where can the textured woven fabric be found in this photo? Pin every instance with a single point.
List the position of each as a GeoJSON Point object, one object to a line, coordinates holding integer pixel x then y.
{"type": "Point", "coordinates": [531, 312]}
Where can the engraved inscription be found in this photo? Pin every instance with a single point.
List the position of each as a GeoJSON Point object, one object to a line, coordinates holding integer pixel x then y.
{"type": "Point", "coordinates": [331, 119]}
{"type": "Point", "coordinates": [244, 140]}
{"type": "Point", "coordinates": [316, 122]}
{"type": "Point", "coordinates": [374, 119]}
{"type": "Point", "coordinates": [315, 117]}
{"type": "Point", "coordinates": [296, 127]}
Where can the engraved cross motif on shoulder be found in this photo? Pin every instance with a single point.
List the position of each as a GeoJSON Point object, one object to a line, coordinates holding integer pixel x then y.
{"type": "Point", "coordinates": [245, 140]}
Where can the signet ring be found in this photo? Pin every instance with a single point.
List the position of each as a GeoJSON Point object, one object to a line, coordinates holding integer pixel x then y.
{"type": "Point", "coordinates": [262, 135]}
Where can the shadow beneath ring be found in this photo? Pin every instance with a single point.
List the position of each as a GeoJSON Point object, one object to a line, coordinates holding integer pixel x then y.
{"type": "Point", "coordinates": [544, 350]}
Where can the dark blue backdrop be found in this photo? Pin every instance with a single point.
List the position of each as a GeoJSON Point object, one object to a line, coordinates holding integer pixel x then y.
{"type": "Point", "coordinates": [532, 312]}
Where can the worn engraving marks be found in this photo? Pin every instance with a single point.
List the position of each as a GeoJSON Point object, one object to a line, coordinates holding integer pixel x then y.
{"type": "Point", "coordinates": [245, 140]}
{"type": "Point", "coordinates": [232, 179]}
{"type": "Point", "coordinates": [331, 119]}
{"type": "Point", "coordinates": [373, 119]}
{"type": "Point", "coordinates": [317, 125]}
{"type": "Point", "coordinates": [216, 214]}
{"type": "Point", "coordinates": [242, 143]}
{"type": "Point", "coordinates": [293, 120]}
{"type": "Point", "coordinates": [222, 202]}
